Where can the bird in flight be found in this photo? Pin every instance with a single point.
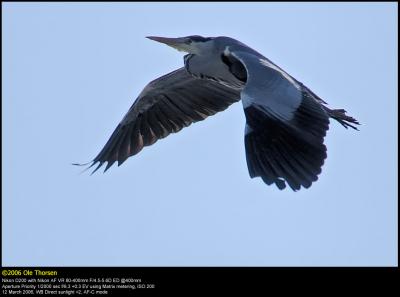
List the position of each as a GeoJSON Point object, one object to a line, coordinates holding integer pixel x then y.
{"type": "Point", "coordinates": [285, 121]}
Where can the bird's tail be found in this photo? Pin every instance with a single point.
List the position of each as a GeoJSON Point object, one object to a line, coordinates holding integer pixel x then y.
{"type": "Point", "coordinates": [343, 119]}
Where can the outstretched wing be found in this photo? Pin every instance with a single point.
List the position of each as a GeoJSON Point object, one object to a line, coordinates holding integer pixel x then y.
{"type": "Point", "coordinates": [165, 106]}
{"type": "Point", "coordinates": [285, 125]}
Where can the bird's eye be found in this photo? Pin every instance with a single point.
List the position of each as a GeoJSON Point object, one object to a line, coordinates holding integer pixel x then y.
{"type": "Point", "coordinates": [188, 41]}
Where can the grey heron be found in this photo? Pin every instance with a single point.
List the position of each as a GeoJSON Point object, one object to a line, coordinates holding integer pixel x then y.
{"type": "Point", "coordinates": [286, 122]}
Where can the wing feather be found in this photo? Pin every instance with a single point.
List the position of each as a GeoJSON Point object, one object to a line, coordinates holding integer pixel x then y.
{"type": "Point", "coordinates": [286, 125]}
{"type": "Point", "coordinates": [165, 106]}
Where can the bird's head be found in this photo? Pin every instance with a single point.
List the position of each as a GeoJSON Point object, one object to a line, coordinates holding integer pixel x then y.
{"type": "Point", "coordinates": [193, 44]}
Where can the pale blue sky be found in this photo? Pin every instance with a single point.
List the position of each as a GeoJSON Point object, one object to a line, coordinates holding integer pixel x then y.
{"type": "Point", "coordinates": [71, 71]}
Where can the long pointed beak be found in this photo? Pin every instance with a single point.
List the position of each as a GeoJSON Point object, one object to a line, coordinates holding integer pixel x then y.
{"type": "Point", "coordinates": [177, 43]}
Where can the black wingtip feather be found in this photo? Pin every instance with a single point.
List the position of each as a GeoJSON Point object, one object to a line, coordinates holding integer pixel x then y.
{"type": "Point", "coordinates": [291, 152]}
{"type": "Point", "coordinates": [97, 168]}
{"type": "Point", "coordinates": [342, 118]}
